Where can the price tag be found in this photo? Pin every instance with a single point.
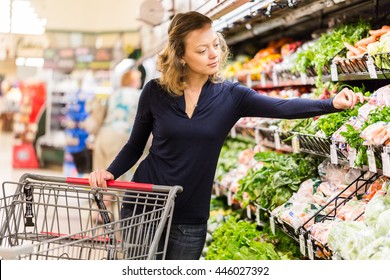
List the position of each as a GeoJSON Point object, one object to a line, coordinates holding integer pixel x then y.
{"type": "Point", "coordinates": [274, 78]}
{"type": "Point", "coordinates": [216, 189]}
{"type": "Point", "coordinates": [295, 144]}
{"type": "Point", "coordinates": [277, 141]}
{"type": "Point", "coordinates": [304, 79]}
{"type": "Point", "coordinates": [248, 80]}
{"type": "Point", "coordinates": [371, 160]}
{"type": "Point", "coordinates": [302, 245]}
{"type": "Point", "coordinates": [371, 68]}
{"type": "Point", "coordinates": [249, 212]}
{"type": "Point", "coordinates": [229, 197]}
{"type": "Point", "coordinates": [233, 132]}
{"type": "Point", "coordinates": [257, 136]}
{"type": "Point", "coordinates": [333, 72]}
{"type": "Point", "coordinates": [386, 164]}
{"type": "Point", "coordinates": [352, 157]}
{"type": "Point", "coordinates": [272, 224]}
{"type": "Point", "coordinates": [258, 219]}
{"type": "Point", "coordinates": [333, 154]}
{"type": "Point", "coordinates": [310, 250]}
{"type": "Point", "coordinates": [263, 83]}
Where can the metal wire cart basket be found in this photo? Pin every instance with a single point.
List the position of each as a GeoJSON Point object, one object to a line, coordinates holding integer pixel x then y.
{"type": "Point", "coordinates": [50, 218]}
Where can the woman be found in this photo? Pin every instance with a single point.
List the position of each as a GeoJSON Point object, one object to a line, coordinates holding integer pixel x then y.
{"type": "Point", "coordinates": [190, 112]}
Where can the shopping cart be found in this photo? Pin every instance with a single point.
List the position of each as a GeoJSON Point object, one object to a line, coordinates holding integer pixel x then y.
{"type": "Point", "coordinates": [47, 218]}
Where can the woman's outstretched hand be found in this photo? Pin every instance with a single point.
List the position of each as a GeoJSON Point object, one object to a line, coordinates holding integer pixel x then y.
{"type": "Point", "coordinates": [347, 99]}
{"type": "Point", "coordinates": [99, 178]}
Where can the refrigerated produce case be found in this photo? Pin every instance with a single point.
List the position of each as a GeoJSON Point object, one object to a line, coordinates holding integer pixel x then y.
{"type": "Point", "coordinates": [306, 21]}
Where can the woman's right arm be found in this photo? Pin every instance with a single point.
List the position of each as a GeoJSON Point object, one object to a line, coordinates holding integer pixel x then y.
{"type": "Point", "coordinates": [133, 149]}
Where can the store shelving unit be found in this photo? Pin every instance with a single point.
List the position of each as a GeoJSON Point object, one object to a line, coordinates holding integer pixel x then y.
{"type": "Point", "coordinates": [254, 24]}
{"type": "Point", "coordinates": [254, 27]}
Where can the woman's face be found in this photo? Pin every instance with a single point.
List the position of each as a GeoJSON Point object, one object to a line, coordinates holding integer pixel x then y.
{"type": "Point", "coordinates": [202, 51]}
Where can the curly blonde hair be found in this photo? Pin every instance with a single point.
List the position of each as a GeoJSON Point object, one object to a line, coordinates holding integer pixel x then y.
{"type": "Point", "coordinates": [173, 72]}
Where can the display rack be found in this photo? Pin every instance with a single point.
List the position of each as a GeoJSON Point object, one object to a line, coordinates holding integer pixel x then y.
{"type": "Point", "coordinates": [274, 138]}
{"type": "Point", "coordinates": [359, 187]}
{"type": "Point", "coordinates": [367, 69]}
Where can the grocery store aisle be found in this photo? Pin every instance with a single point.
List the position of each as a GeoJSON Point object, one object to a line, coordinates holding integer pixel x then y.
{"type": "Point", "coordinates": [7, 172]}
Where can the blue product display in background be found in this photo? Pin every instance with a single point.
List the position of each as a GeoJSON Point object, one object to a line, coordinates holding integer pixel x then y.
{"type": "Point", "coordinates": [76, 135]}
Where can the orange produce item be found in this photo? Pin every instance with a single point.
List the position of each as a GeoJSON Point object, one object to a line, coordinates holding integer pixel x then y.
{"type": "Point", "coordinates": [366, 41]}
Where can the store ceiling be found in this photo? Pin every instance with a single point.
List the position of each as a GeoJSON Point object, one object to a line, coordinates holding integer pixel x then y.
{"type": "Point", "coordinates": [92, 16]}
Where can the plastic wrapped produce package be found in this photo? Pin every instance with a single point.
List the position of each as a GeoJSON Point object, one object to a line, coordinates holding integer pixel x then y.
{"type": "Point", "coordinates": [382, 227]}
{"type": "Point", "coordinates": [379, 249]}
{"type": "Point", "coordinates": [349, 238]}
{"type": "Point", "coordinates": [377, 205]}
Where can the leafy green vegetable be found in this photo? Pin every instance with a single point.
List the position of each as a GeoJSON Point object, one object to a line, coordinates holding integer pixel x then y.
{"type": "Point", "coordinates": [330, 123]}
{"type": "Point", "coordinates": [353, 138]}
{"type": "Point", "coordinates": [240, 240]}
{"type": "Point", "coordinates": [328, 46]}
{"type": "Point", "coordinates": [275, 182]}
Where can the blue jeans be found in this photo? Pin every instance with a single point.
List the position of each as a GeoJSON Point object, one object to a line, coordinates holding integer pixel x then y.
{"type": "Point", "coordinates": [186, 241]}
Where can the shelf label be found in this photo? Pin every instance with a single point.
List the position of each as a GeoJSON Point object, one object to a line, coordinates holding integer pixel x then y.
{"type": "Point", "coordinates": [257, 136]}
{"type": "Point", "coordinates": [304, 78]}
{"type": "Point", "coordinates": [302, 245]}
{"type": "Point", "coordinates": [249, 212]}
{"type": "Point", "coordinates": [371, 160]}
{"type": "Point", "coordinates": [248, 80]}
{"type": "Point", "coordinates": [386, 164]}
{"type": "Point", "coordinates": [263, 83]}
{"type": "Point", "coordinates": [233, 132]}
{"type": "Point", "coordinates": [274, 78]}
{"type": "Point", "coordinates": [229, 197]}
{"type": "Point", "coordinates": [333, 72]}
{"type": "Point", "coordinates": [371, 68]}
{"type": "Point", "coordinates": [333, 154]}
{"type": "Point", "coordinates": [277, 141]}
{"type": "Point", "coordinates": [258, 219]}
{"type": "Point", "coordinates": [310, 250]}
{"type": "Point", "coordinates": [216, 189]}
{"type": "Point", "coordinates": [352, 157]}
{"type": "Point", "coordinates": [295, 144]}
{"type": "Point", "coordinates": [272, 224]}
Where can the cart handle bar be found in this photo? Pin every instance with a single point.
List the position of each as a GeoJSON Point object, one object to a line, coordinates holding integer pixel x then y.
{"type": "Point", "coordinates": [113, 184]}
{"type": "Point", "coordinates": [110, 183]}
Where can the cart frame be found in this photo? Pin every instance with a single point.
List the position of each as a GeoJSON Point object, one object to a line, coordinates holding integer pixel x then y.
{"type": "Point", "coordinates": [31, 225]}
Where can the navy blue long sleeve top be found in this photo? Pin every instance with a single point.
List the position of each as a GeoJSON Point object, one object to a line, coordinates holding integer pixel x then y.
{"type": "Point", "coordinates": [185, 150]}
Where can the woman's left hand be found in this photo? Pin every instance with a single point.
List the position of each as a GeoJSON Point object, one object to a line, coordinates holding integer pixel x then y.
{"type": "Point", "coordinates": [347, 99]}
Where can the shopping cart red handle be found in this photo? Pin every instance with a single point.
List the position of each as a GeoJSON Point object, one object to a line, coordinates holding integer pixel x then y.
{"type": "Point", "coordinates": [113, 184]}
{"type": "Point", "coordinates": [110, 183]}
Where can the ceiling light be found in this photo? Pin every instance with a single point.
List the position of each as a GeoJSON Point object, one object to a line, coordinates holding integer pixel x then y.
{"type": "Point", "coordinates": [19, 17]}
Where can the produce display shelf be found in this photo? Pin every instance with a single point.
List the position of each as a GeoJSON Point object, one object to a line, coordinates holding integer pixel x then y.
{"type": "Point", "coordinates": [316, 145]}
{"type": "Point", "coordinates": [282, 82]}
{"type": "Point", "coordinates": [381, 75]}
{"type": "Point", "coordinates": [354, 190]}
{"type": "Point", "coordinates": [274, 138]}
{"type": "Point", "coordinates": [245, 130]}
{"type": "Point", "coordinates": [365, 67]}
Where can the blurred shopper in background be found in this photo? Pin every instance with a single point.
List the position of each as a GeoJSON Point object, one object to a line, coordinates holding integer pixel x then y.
{"type": "Point", "coordinates": [118, 123]}
{"type": "Point", "coordinates": [190, 111]}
